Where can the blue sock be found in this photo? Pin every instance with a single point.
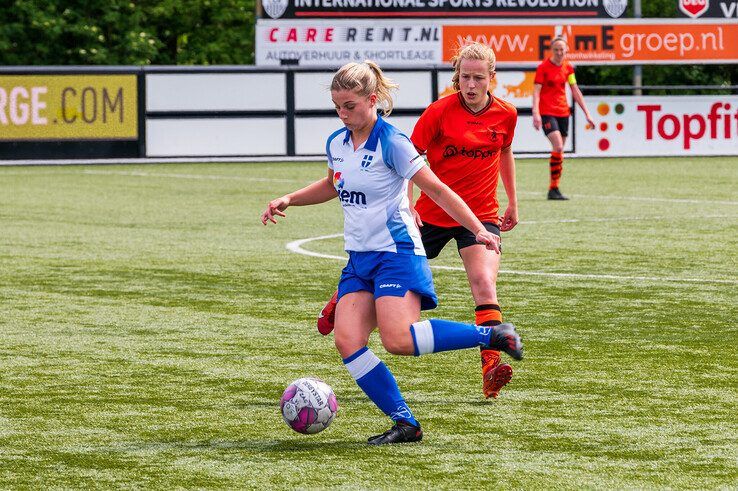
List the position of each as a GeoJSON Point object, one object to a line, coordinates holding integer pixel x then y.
{"type": "Point", "coordinates": [379, 384]}
{"type": "Point", "coordinates": [436, 335]}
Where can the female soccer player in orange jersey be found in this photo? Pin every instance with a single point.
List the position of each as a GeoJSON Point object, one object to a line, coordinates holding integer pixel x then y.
{"type": "Point", "coordinates": [467, 140]}
{"type": "Point", "coordinates": [551, 109]}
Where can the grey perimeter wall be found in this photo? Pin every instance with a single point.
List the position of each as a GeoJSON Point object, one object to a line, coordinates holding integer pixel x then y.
{"type": "Point", "coordinates": [251, 112]}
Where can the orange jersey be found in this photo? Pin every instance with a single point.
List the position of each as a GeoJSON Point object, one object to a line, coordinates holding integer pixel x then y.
{"type": "Point", "coordinates": [463, 149]}
{"type": "Point", "coordinates": [553, 80]}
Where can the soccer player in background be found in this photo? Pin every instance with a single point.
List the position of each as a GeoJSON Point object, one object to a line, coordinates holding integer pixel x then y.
{"type": "Point", "coordinates": [551, 109]}
{"type": "Point", "coordinates": [387, 280]}
{"type": "Point", "coordinates": [467, 138]}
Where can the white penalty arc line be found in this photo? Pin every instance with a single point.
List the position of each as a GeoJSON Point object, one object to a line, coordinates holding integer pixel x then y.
{"type": "Point", "coordinates": [296, 247]}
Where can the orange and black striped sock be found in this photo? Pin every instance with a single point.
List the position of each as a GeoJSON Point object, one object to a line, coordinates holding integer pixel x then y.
{"type": "Point", "coordinates": [555, 165]}
{"type": "Point", "coordinates": [488, 315]}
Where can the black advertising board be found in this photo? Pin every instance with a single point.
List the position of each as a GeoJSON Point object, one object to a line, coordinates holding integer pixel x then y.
{"type": "Point", "coordinates": [303, 9]}
{"type": "Point", "coordinates": [715, 9]}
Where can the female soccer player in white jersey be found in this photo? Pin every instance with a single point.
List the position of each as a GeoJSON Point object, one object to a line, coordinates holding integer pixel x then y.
{"type": "Point", "coordinates": [387, 281]}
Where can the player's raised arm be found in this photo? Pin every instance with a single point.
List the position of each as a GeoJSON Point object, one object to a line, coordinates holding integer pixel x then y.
{"type": "Point", "coordinates": [320, 191]}
{"type": "Point", "coordinates": [454, 206]}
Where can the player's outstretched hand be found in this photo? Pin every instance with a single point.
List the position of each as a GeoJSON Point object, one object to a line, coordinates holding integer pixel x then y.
{"type": "Point", "coordinates": [490, 240]}
{"type": "Point", "coordinates": [510, 219]}
{"type": "Point", "coordinates": [537, 121]}
{"type": "Point", "coordinates": [590, 121]}
{"type": "Point", "coordinates": [416, 217]}
{"type": "Point", "coordinates": [275, 208]}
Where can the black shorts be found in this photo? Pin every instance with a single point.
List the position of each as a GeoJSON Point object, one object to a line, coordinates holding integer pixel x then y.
{"type": "Point", "coordinates": [555, 123]}
{"type": "Point", "coordinates": [435, 238]}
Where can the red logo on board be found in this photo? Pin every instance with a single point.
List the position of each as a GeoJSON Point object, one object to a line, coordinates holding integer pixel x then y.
{"type": "Point", "coordinates": [694, 8]}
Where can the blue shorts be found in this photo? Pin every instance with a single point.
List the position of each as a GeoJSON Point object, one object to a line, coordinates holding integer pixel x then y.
{"type": "Point", "coordinates": [389, 274]}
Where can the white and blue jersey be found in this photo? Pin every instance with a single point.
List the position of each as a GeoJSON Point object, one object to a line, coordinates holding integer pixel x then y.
{"type": "Point", "coordinates": [371, 183]}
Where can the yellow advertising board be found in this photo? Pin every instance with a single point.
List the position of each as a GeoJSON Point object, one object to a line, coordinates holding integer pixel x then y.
{"type": "Point", "coordinates": [68, 107]}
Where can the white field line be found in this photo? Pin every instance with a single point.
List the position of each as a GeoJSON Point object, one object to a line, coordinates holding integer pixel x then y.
{"type": "Point", "coordinates": [214, 177]}
{"type": "Point", "coordinates": [265, 179]}
{"type": "Point", "coordinates": [152, 174]}
{"type": "Point", "coordinates": [615, 219]}
{"type": "Point", "coordinates": [296, 247]}
{"type": "Point", "coordinates": [641, 198]}
{"type": "Point", "coordinates": [662, 200]}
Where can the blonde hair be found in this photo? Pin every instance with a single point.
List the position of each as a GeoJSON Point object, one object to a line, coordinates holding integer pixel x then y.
{"type": "Point", "coordinates": [365, 79]}
{"type": "Point", "coordinates": [558, 39]}
{"type": "Point", "coordinates": [472, 51]}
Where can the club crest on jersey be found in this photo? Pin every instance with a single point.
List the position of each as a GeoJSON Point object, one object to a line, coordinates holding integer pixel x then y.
{"type": "Point", "coordinates": [366, 161]}
{"type": "Point", "coordinates": [492, 133]}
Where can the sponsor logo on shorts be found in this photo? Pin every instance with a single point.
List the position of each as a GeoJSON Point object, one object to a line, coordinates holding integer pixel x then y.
{"type": "Point", "coordinates": [390, 285]}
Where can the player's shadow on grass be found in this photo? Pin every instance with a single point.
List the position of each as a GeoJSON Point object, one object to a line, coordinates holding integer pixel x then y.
{"type": "Point", "coordinates": [471, 400]}
{"type": "Point", "coordinates": [294, 444]}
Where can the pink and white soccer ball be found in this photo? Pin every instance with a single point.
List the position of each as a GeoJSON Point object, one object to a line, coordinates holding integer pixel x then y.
{"type": "Point", "coordinates": [308, 405]}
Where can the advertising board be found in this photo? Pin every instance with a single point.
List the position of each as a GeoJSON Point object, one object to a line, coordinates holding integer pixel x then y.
{"type": "Point", "coordinates": [720, 9]}
{"type": "Point", "coordinates": [68, 107]}
{"type": "Point", "coordinates": [623, 42]}
{"type": "Point", "coordinates": [337, 42]}
{"type": "Point", "coordinates": [295, 9]}
{"type": "Point", "coordinates": [414, 43]}
{"type": "Point", "coordinates": [659, 125]}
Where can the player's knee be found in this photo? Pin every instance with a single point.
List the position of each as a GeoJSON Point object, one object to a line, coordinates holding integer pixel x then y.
{"type": "Point", "coordinates": [484, 288]}
{"type": "Point", "coordinates": [347, 344]}
{"type": "Point", "coordinates": [558, 147]}
{"type": "Point", "coordinates": [398, 343]}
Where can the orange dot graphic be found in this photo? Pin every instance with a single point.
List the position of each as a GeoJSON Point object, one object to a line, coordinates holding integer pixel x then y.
{"type": "Point", "coordinates": [603, 109]}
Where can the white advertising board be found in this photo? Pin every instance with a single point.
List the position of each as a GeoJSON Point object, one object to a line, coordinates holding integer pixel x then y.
{"type": "Point", "coordinates": [222, 137]}
{"type": "Point", "coordinates": [215, 92]}
{"type": "Point", "coordinates": [334, 43]}
{"type": "Point", "coordinates": [312, 90]}
{"type": "Point", "coordinates": [311, 133]}
{"type": "Point", "coordinates": [659, 126]}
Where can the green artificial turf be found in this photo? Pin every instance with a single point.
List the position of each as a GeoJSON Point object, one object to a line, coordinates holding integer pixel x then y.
{"type": "Point", "coordinates": [149, 324]}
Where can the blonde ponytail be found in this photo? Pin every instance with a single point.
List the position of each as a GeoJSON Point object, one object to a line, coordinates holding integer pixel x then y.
{"type": "Point", "coordinates": [365, 79]}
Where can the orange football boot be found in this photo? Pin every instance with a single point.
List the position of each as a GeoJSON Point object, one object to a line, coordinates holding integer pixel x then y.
{"type": "Point", "coordinates": [495, 375]}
